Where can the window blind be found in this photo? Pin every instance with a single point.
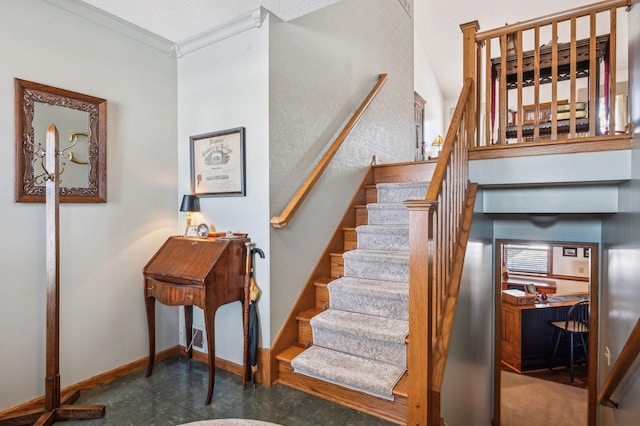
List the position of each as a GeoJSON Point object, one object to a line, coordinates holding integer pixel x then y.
{"type": "Point", "coordinates": [527, 258]}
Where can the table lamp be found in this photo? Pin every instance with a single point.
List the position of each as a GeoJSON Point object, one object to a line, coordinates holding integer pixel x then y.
{"type": "Point", "coordinates": [190, 204]}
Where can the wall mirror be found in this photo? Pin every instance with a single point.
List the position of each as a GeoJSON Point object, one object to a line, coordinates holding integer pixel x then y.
{"type": "Point", "coordinates": [82, 125]}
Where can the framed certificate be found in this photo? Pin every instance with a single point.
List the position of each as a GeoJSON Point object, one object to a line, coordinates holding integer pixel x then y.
{"type": "Point", "coordinates": [217, 164]}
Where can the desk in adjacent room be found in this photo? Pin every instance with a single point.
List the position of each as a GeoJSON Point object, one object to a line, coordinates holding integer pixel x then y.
{"type": "Point", "coordinates": [526, 334]}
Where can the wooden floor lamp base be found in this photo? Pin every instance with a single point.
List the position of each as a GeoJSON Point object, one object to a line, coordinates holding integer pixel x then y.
{"type": "Point", "coordinates": [41, 416]}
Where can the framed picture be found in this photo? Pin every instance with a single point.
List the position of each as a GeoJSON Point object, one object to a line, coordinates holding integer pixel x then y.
{"type": "Point", "coordinates": [217, 164]}
{"type": "Point", "coordinates": [586, 253]}
{"type": "Point", "coordinates": [570, 251]}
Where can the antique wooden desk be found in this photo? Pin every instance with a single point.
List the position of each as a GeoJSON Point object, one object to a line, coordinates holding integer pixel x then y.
{"type": "Point", "coordinates": [206, 273]}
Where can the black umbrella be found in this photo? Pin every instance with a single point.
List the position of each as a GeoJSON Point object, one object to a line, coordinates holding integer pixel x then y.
{"type": "Point", "coordinates": [252, 323]}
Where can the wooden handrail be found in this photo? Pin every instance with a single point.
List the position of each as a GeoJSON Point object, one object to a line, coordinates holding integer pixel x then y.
{"type": "Point", "coordinates": [626, 359]}
{"type": "Point", "coordinates": [438, 175]}
{"type": "Point", "coordinates": [296, 201]}
{"type": "Point", "coordinates": [548, 19]}
{"type": "Point", "coordinates": [438, 231]}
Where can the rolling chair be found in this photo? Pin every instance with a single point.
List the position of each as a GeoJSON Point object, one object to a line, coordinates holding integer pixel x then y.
{"type": "Point", "coordinates": [576, 326]}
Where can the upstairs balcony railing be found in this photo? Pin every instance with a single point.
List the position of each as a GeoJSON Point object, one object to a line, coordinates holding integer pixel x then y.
{"type": "Point", "coordinates": [553, 79]}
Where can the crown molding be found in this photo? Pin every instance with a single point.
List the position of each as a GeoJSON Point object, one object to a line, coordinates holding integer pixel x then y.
{"type": "Point", "coordinates": [234, 27]}
{"type": "Point", "coordinates": [104, 19]}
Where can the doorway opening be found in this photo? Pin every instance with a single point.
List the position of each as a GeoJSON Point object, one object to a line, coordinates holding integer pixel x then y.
{"type": "Point", "coordinates": [536, 284]}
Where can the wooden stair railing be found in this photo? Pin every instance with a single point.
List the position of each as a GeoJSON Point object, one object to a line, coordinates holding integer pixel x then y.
{"type": "Point", "coordinates": [521, 59]}
{"type": "Point", "coordinates": [620, 369]}
{"type": "Point", "coordinates": [296, 201]}
{"type": "Point", "coordinates": [438, 232]}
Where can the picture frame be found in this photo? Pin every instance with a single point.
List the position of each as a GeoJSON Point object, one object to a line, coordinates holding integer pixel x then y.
{"type": "Point", "coordinates": [585, 252]}
{"type": "Point", "coordinates": [570, 251]}
{"type": "Point", "coordinates": [218, 163]}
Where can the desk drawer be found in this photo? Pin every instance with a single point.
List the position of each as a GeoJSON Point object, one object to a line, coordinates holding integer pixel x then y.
{"type": "Point", "coordinates": [174, 294]}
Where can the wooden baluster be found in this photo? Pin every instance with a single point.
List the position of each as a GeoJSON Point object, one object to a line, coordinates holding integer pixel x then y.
{"type": "Point", "coordinates": [519, 111]}
{"type": "Point", "coordinates": [554, 80]}
{"type": "Point", "coordinates": [536, 84]}
{"type": "Point", "coordinates": [502, 107]}
{"type": "Point", "coordinates": [572, 90]}
{"type": "Point", "coordinates": [488, 94]}
{"type": "Point", "coordinates": [612, 71]}
{"type": "Point", "coordinates": [593, 107]}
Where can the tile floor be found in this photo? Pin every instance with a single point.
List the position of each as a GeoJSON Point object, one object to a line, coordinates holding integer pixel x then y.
{"type": "Point", "coordinates": [176, 391]}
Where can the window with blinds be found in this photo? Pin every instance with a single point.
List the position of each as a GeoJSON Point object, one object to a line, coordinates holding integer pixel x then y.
{"type": "Point", "coordinates": [530, 259]}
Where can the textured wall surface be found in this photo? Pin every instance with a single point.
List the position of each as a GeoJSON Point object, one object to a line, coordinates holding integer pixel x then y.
{"type": "Point", "coordinates": [321, 67]}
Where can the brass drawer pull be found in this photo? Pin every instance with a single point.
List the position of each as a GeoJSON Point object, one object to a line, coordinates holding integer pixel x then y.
{"type": "Point", "coordinates": [151, 288]}
{"type": "Point", "coordinates": [189, 296]}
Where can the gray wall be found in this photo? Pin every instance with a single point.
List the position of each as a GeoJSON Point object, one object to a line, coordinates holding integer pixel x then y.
{"type": "Point", "coordinates": [103, 246]}
{"type": "Point", "coordinates": [621, 261]}
{"type": "Point", "coordinates": [468, 373]}
{"type": "Point", "coordinates": [321, 67]}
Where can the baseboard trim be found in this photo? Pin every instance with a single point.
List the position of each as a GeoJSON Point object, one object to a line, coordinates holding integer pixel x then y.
{"type": "Point", "coordinates": [116, 373]}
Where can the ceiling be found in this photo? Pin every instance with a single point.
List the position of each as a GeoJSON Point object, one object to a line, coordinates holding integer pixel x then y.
{"type": "Point", "coordinates": [437, 22]}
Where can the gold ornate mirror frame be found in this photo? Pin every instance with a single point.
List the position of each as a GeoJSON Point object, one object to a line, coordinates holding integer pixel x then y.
{"type": "Point", "coordinates": [29, 185]}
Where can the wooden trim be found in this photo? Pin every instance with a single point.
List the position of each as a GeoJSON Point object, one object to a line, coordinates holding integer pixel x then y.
{"type": "Point", "coordinates": [570, 146]}
{"type": "Point", "coordinates": [296, 201]}
{"type": "Point", "coordinates": [627, 357]}
{"type": "Point", "coordinates": [578, 12]}
{"type": "Point", "coordinates": [593, 348]}
{"type": "Point", "coordinates": [97, 380]}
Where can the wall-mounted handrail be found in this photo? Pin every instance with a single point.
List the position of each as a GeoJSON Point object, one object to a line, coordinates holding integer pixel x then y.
{"type": "Point", "coordinates": [626, 359]}
{"type": "Point", "coordinates": [296, 201]}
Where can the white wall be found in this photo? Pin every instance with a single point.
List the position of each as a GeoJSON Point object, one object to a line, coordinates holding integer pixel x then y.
{"type": "Point", "coordinates": [322, 66]}
{"type": "Point", "coordinates": [426, 85]}
{"type": "Point", "coordinates": [224, 86]}
{"type": "Point", "coordinates": [103, 246]}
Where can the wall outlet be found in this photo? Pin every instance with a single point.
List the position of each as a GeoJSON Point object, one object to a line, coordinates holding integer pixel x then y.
{"type": "Point", "coordinates": [198, 340]}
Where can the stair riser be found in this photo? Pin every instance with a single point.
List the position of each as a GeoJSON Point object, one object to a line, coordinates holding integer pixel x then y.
{"type": "Point", "coordinates": [371, 195]}
{"type": "Point", "coordinates": [305, 333]}
{"type": "Point", "coordinates": [362, 216]}
{"type": "Point", "coordinates": [350, 239]}
{"type": "Point", "coordinates": [322, 297]}
{"type": "Point", "coordinates": [337, 266]}
{"type": "Point", "coordinates": [376, 270]}
{"type": "Point", "coordinates": [384, 241]}
{"type": "Point", "coordinates": [397, 195]}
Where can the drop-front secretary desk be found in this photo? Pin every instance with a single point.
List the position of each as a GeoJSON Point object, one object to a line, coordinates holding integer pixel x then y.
{"type": "Point", "coordinates": [206, 273]}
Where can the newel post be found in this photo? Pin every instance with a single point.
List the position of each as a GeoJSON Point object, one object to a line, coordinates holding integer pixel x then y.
{"type": "Point", "coordinates": [421, 405]}
{"type": "Point", "coordinates": [470, 71]}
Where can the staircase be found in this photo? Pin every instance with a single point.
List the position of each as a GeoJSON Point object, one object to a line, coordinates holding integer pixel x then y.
{"type": "Point", "coordinates": [351, 345]}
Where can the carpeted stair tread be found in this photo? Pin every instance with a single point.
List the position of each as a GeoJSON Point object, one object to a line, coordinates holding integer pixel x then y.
{"type": "Point", "coordinates": [388, 237]}
{"type": "Point", "coordinates": [377, 265]}
{"type": "Point", "coordinates": [377, 338]}
{"type": "Point", "coordinates": [397, 192]}
{"type": "Point", "coordinates": [353, 372]}
{"type": "Point", "coordinates": [369, 326]}
{"type": "Point", "coordinates": [371, 297]}
{"type": "Point", "coordinates": [387, 213]}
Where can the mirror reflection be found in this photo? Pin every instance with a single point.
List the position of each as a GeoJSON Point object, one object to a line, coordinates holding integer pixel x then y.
{"type": "Point", "coordinates": [81, 123]}
{"type": "Point", "coordinates": [73, 128]}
